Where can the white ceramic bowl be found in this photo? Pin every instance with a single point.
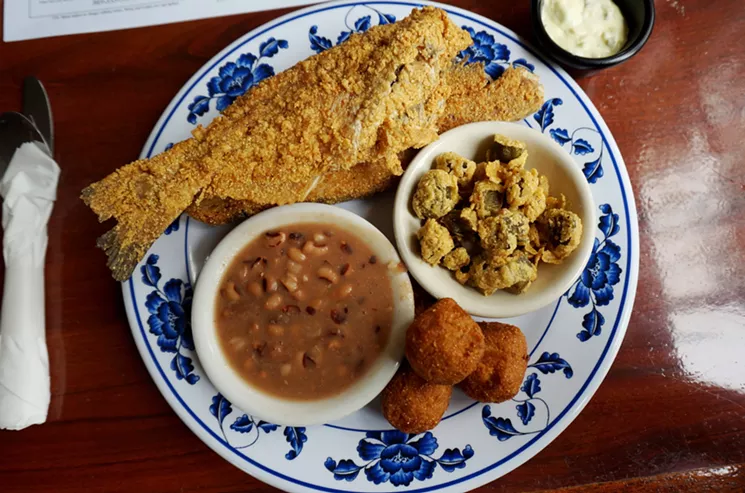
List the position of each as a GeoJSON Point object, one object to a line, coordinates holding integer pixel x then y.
{"type": "Point", "coordinates": [252, 400]}
{"type": "Point", "coordinates": [564, 176]}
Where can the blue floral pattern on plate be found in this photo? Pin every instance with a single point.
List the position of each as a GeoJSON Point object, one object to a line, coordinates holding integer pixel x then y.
{"type": "Point", "coordinates": [235, 78]}
{"type": "Point", "coordinates": [495, 56]}
{"type": "Point", "coordinates": [399, 458]}
{"type": "Point", "coordinates": [244, 424]}
{"type": "Point", "coordinates": [170, 318]}
{"type": "Point", "coordinates": [502, 428]}
{"type": "Point", "coordinates": [602, 272]}
{"type": "Point", "coordinates": [319, 43]}
{"type": "Point", "coordinates": [593, 169]}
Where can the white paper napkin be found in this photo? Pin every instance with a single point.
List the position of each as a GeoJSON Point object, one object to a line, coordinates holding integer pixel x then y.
{"type": "Point", "coordinates": [28, 188]}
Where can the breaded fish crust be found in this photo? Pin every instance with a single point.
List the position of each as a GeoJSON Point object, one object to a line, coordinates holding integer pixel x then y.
{"type": "Point", "coordinates": [473, 97]}
{"type": "Point", "coordinates": [308, 133]}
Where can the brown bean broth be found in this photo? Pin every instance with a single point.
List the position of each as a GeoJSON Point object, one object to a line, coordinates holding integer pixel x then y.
{"type": "Point", "coordinates": [304, 311]}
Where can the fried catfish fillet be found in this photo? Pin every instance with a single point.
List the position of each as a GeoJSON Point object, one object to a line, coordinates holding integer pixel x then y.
{"type": "Point", "coordinates": [473, 97]}
{"type": "Point", "coordinates": [363, 101]}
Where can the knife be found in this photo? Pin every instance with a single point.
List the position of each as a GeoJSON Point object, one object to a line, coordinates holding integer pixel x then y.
{"type": "Point", "coordinates": [37, 108]}
{"type": "Point", "coordinates": [15, 130]}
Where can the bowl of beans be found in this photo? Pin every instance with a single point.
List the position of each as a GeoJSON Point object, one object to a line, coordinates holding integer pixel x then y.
{"type": "Point", "coordinates": [300, 313]}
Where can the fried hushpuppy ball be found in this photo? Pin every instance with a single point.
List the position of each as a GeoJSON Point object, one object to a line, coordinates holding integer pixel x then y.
{"type": "Point", "coordinates": [444, 344]}
{"type": "Point", "coordinates": [500, 372]}
{"type": "Point", "coordinates": [413, 405]}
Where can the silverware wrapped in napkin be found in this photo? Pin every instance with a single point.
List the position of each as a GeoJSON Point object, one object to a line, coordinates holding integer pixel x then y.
{"type": "Point", "coordinates": [28, 188]}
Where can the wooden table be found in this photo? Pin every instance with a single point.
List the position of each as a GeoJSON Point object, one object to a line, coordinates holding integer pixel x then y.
{"type": "Point", "coordinates": [670, 416]}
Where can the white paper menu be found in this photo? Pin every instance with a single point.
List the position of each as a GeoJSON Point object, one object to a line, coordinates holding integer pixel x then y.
{"type": "Point", "coordinates": [29, 19]}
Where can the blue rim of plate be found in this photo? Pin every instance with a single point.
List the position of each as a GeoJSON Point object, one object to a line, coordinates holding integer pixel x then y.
{"type": "Point", "coordinates": [576, 404]}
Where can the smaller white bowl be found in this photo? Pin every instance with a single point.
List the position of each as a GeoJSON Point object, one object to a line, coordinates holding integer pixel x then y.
{"type": "Point", "coordinates": [256, 402]}
{"type": "Point", "coordinates": [564, 176]}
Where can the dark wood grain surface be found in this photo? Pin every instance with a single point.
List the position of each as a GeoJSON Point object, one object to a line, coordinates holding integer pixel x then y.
{"type": "Point", "coordinates": [670, 416]}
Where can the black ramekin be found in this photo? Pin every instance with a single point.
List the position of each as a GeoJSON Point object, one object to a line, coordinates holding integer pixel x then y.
{"type": "Point", "coordinates": [639, 16]}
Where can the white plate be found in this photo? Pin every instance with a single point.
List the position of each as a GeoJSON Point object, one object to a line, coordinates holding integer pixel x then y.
{"type": "Point", "coordinates": [572, 342]}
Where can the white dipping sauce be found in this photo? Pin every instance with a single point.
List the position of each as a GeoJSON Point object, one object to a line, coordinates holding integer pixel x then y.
{"type": "Point", "coordinates": [586, 28]}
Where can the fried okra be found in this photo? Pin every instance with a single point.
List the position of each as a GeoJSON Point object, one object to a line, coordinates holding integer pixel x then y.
{"type": "Point", "coordinates": [487, 198]}
{"type": "Point", "coordinates": [436, 194]}
{"type": "Point", "coordinates": [495, 219]}
{"type": "Point", "coordinates": [435, 241]}
{"type": "Point", "coordinates": [456, 259]}
{"type": "Point", "coordinates": [505, 149]}
{"type": "Point", "coordinates": [501, 234]}
{"type": "Point", "coordinates": [459, 167]}
{"type": "Point", "coordinates": [560, 232]}
{"type": "Point", "coordinates": [459, 228]}
{"type": "Point", "coordinates": [520, 187]}
{"type": "Point", "coordinates": [489, 275]}
{"type": "Point", "coordinates": [470, 218]}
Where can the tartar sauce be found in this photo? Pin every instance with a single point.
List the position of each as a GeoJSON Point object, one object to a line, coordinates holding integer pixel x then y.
{"type": "Point", "coordinates": [587, 28]}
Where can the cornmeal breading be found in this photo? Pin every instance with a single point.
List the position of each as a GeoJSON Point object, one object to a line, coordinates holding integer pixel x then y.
{"type": "Point", "coordinates": [516, 94]}
{"type": "Point", "coordinates": [434, 241]}
{"type": "Point", "coordinates": [333, 127]}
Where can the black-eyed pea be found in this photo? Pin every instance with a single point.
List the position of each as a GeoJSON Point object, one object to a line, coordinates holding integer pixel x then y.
{"type": "Point", "coordinates": [258, 264]}
{"type": "Point", "coordinates": [344, 290]}
{"type": "Point", "coordinates": [298, 294]}
{"type": "Point", "coordinates": [255, 289]}
{"type": "Point", "coordinates": [298, 359]}
{"type": "Point", "coordinates": [319, 239]}
{"type": "Point", "coordinates": [275, 330]}
{"type": "Point", "coordinates": [230, 292]}
{"type": "Point", "coordinates": [285, 369]}
{"type": "Point", "coordinates": [270, 284]}
{"type": "Point", "coordinates": [334, 344]}
{"type": "Point", "coordinates": [289, 281]}
{"type": "Point", "coordinates": [315, 250]}
{"type": "Point", "coordinates": [294, 267]}
{"type": "Point", "coordinates": [316, 354]}
{"type": "Point", "coordinates": [273, 302]}
{"type": "Point", "coordinates": [238, 343]}
{"type": "Point", "coordinates": [296, 255]}
{"type": "Point", "coordinates": [316, 304]}
{"type": "Point", "coordinates": [326, 272]}
{"type": "Point", "coordinates": [274, 239]}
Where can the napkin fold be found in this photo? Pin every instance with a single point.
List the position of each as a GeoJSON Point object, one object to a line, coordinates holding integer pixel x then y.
{"type": "Point", "coordinates": [29, 189]}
